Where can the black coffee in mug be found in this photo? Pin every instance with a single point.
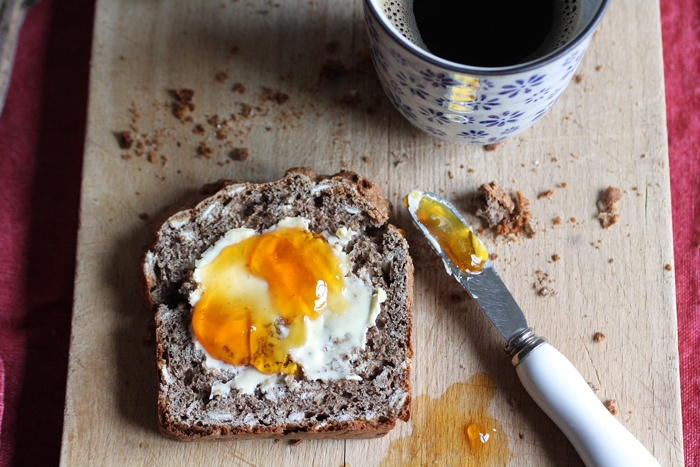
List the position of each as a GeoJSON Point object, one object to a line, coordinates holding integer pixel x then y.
{"type": "Point", "coordinates": [485, 33]}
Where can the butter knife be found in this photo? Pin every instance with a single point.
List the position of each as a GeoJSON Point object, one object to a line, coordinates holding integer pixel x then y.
{"type": "Point", "coordinates": [547, 375]}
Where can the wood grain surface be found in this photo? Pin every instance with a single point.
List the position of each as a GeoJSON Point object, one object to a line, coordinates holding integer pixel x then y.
{"type": "Point", "coordinates": [608, 129]}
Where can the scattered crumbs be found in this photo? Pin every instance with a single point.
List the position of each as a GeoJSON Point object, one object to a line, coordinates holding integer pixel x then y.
{"type": "Point", "coordinates": [556, 257]}
{"type": "Point", "coordinates": [238, 88]}
{"type": "Point", "coordinates": [491, 147]}
{"type": "Point", "coordinates": [493, 256]}
{"type": "Point", "coordinates": [184, 96]}
{"type": "Point", "coordinates": [366, 159]}
{"type": "Point", "coordinates": [143, 216]}
{"type": "Point", "coordinates": [599, 67]}
{"type": "Point", "coordinates": [332, 47]}
{"type": "Point", "coordinates": [141, 445]}
{"type": "Point", "coordinates": [450, 174]}
{"type": "Point", "coordinates": [594, 388]}
{"type": "Point", "coordinates": [599, 337]}
{"type": "Point", "coordinates": [246, 110]}
{"type": "Point", "coordinates": [554, 159]}
{"type": "Point", "coordinates": [668, 267]}
{"type": "Point", "coordinates": [611, 405]}
{"type": "Point", "coordinates": [578, 78]}
{"type": "Point", "coordinates": [572, 219]}
{"type": "Point", "coordinates": [562, 185]}
{"type": "Point", "coordinates": [521, 436]}
{"type": "Point", "coordinates": [203, 150]}
{"type": "Point", "coordinates": [152, 157]}
{"type": "Point", "coordinates": [574, 155]}
{"type": "Point", "coordinates": [235, 49]}
{"type": "Point", "coordinates": [198, 129]}
{"type": "Point", "coordinates": [351, 98]}
{"type": "Point", "coordinates": [240, 154]}
{"type": "Point", "coordinates": [611, 260]}
{"type": "Point", "coordinates": [543, 284]}
{"type": "Point", "coordinates": [596, 33]}
{"type": "Point", "coordinates": [125, 140]}
{"type": "Point", "coordinates": [461, 166]}
{"type": "Point", "coordinates": [545, 194]}
{"type": "Point", "coordinates": [557, 220]}
{"type": "Point", "coordinates": [607, 206]}
{"type": "Point", "coordinates": [221, 76]}
{"type": "Point", "coordinates": [471, 171]}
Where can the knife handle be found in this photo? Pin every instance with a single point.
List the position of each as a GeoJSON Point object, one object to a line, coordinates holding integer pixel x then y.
{"type": "Point", "coordinates": [563, 394]}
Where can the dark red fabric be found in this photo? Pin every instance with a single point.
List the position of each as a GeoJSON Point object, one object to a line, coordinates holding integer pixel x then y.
{"type": "Point", "coordinates": [41, 142]}
{"type": "Point", "coordinates": [680, 21]}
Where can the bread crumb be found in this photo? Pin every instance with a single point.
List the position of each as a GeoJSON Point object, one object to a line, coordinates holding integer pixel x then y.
{"type": "Point", "coordinates": [578, 78]}
{"type": "Point", "coordinates": [611, 260]}
{"type": "Point", "coordinates": [143, 216]}
{"type": "Point", "coordinates": [545, 194]}
{"type": "Point", "coordinates": [351, 98]}
{"type": "Point", "coordinates": [455, 298]}
{"type": "Point", "coordinates": [366, 159]}
{"type": "Point", "coordinates": [198, 129]}
{"type": "Point", "coordinates": [491, 147]}
{"type": "Point", "coordinates": [557, 221]}
{"type": "Point", "coordinates": [599, 337]}
{"type": "Point", "coordinates": [611, 405]}
{"type": "Point", "coordinates": [594, 388]}
{"type": "Point", "coordinates": [240, 154]}
{"type": "Point", "coordinates": [450, 174]}
{"type": "Point", "coordinates": [203, 150]}
{"type": "Point", "coordinates": [238, 88]}
{"type": "Point", "coordinates": [668, 267]}
{"type": "Point", "coordinates": [221, 76]}
{"type": "Point", "coordinates": [471, 171]}
{"type": "Point", "coordinates": [493, 256]}
{"type": "Point", "coordinates": [572, 219]}
{"type": "Point", "coordinates": [562, 185]}
{"type": "Point", "coordinates": [246, 110]}
{"type": "Point", "coordinates": [607, 206]}
{"type": "Point", "coordinates": [501, 213]}
{"type": "Point", "coordinates": [556, 257]}
{"type": "Point", "coordinates": [599, 67]}
{"type": "Point", "coordinates": [184, 96]}
{"type": "Point", "coordinates": [125, 140]}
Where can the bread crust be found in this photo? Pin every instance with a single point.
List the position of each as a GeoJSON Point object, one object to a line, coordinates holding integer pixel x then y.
{"type": "Point", "coordinates": [376, 209]}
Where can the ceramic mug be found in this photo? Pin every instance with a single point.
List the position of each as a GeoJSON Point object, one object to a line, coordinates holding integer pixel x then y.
{"type": "Point", "coordinates": [466, 104]}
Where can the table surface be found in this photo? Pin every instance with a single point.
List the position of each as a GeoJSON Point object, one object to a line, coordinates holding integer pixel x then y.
{"type": "Point", "coordinates": [40, 171]}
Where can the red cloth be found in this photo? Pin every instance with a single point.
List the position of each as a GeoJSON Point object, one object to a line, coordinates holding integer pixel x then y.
{"type": "Point", "coordinates": [41, 141]}
{"type": "Point", "coordinates": [680, 22]}
{"type": "Point", "coordinates": [41, 145]}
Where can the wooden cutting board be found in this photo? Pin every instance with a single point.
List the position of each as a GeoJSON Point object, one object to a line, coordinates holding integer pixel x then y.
{"type": "Point", "coordinates": [607, 129]}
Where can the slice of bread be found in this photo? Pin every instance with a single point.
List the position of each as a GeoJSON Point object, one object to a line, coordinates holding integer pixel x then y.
{"type": "Point", "coordinates": [300, 408]}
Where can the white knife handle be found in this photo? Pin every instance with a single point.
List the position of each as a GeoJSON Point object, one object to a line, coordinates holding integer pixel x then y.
{"type": "Point", "coordinates": [563, 394]}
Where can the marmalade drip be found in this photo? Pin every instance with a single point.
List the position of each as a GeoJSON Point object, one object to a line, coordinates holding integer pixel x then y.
{"type": "Point", "coordinates": [258, 293]}
{"type": "Point", "coordinates": [454, 430]}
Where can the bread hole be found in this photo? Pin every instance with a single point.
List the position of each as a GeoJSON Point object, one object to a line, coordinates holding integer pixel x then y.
{"type": "Point", "coordinates": [376, 371]}
{"type": "Point", "coordinates": [386, 275]}
{"type": "Point", "coordinates": [318, 201]}
{"type": "Point", "coordinates": [189, 376]}
{"type": "Point", "coordinates": [366, 184]}
{"type": "Point", "coordinates": [383, 419]}
{"type": "Point", "coordinates": [248, 210]}
{"type": "Point", "coordinates": [347, 395]}
{"type": "Point", "coordinates": [343, 408]}
{"type": "Point", "coordinates": [321, 417]}
{"type": "Point", "coordinates": [388, 363]}
{"type": "Point", "coordinates": [355, 178]}
{"type": "Point", "coordinates": [309, 415]}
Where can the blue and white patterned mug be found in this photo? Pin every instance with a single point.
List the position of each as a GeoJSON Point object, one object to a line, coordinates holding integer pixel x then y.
{"type": "Point", "coordinates": [466, 104]}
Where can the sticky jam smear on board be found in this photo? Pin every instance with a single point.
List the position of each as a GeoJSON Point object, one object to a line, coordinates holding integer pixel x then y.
{"type": "Point", "coordinates": [454, 430]}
